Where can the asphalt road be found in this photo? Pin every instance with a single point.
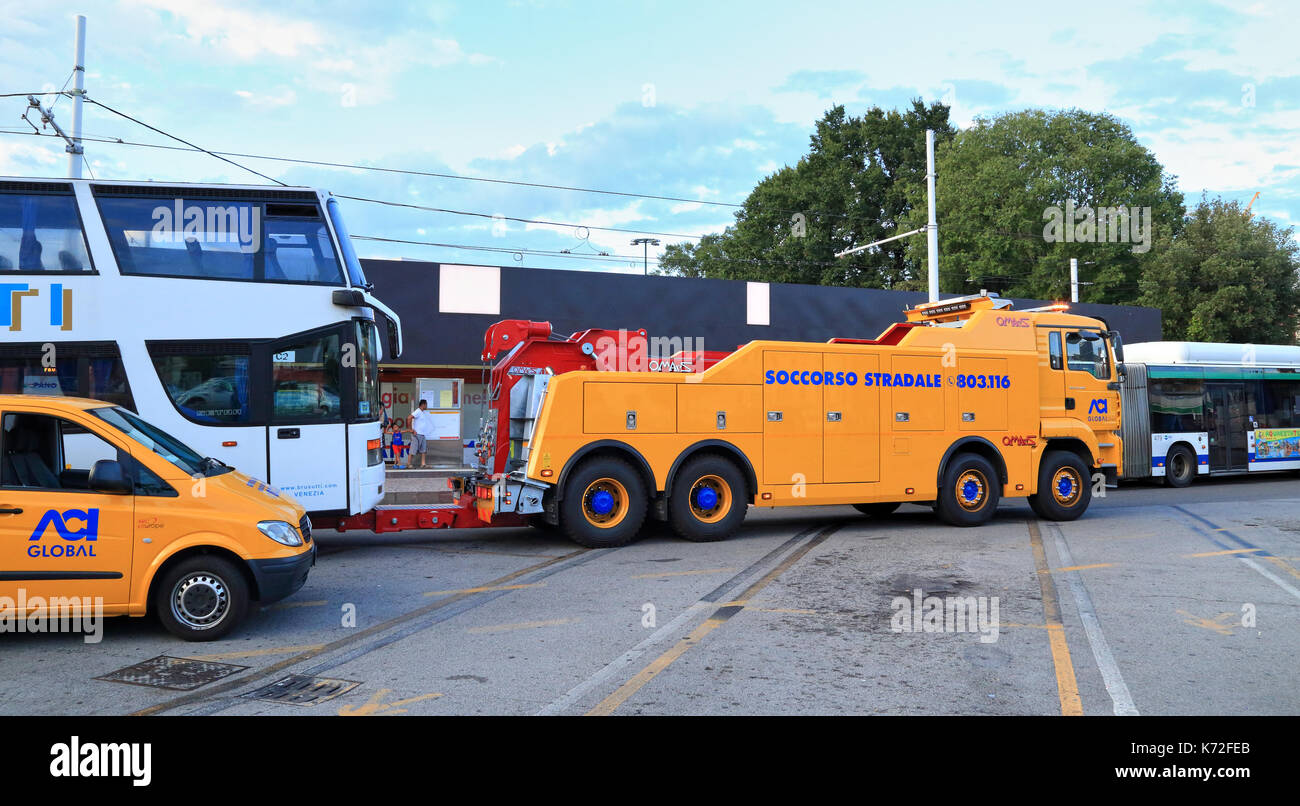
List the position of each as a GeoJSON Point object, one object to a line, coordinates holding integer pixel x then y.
{"type": "Point", "coordinates": [1158, 601]}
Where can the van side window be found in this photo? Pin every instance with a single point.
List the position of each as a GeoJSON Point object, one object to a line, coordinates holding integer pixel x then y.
{"type": "Point", "coordinates": [49, 453]}
{"type": "Point", "coordinates": [1054, 349]}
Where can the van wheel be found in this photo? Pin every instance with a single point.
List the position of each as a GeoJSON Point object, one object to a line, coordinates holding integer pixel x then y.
{"type": "Point", "coordinates": [1064, 490]}
{"type": "Point", "coordinates": [877, 510]}
{"type": "Point", "coordinates": [201, 598]}
{"type": "Point", "coordinates": [604, 503]}
{"type": "Point", "coordinates": [1180, 466]}
{"type": "Point", "coordinates": [970, 491]}
{"type": "Point", "coordinates": [709, 499]}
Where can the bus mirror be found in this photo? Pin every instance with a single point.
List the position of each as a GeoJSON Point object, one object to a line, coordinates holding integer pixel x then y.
{"type": "Point", "coordinates": [107, 476]}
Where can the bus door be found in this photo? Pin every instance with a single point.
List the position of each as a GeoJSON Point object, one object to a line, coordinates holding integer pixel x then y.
{"type": "Point", "coordinates": [307, 445]}
{"type": "Point", "coordinates": [1226, 420]}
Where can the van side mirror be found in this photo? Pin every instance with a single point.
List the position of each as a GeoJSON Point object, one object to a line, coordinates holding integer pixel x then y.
{"type": "Point", "coordinates": [107, 476]}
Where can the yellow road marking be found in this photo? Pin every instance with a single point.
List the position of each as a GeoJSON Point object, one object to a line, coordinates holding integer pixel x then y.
{"type": "Point", "coordinates": [1075, 568]}
{"type": "Point", "coordinates": [1215, 623]}
{"type": "Point", "coordinates": [288, 605]}
{"type": "Point", "coordinates": [257, 653]}
{"type": "Point", "coordinates": [1067, 686]}
{"type": "Point", "coordinates": [1284, 565]}
{"type": "Point", "coordinates": [484, 589]}
{"type": "Point", "coordinates": [683, 573]}
{"type": "Point", "coordinates": [1221, 553]}
{"type": "Point", "coordinates": [611, 703]}
{"type": "Point", "coordinates": [376, 705]}
{"type": "Point", "coordinates": [522, 625]}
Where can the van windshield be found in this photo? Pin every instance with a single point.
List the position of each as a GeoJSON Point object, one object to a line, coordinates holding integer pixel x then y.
{"type": "Point", "coordinates": [160, 442]}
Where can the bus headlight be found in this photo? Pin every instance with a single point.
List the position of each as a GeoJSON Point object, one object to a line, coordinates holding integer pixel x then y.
{"type": "Point", "coordinates": [280, 532]}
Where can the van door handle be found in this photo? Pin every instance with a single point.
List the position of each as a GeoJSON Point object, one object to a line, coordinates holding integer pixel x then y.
{"type": "Point", "coordinates": [287, 433]}
{"type": "Point", "coordinates": [11, 510]}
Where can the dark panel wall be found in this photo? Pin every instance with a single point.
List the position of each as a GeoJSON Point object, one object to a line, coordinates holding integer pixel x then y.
{"type": "Point", "coordinates": [713, 310]}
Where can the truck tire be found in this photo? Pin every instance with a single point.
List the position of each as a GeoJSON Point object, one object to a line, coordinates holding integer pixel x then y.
{"type": "Point", "coordinates": [877, 510]}
{"type": "Point", "coordinates": [708, 500]}
{"type": "Point", "coordinates": [201, 598]}
{"type": "Point", "coordinates": [970, 491]}
{"type": "Point", "coordinates": [1064, 488]}
{"type": "Point", "coordinates": [1180, 466]}
{"type": "Point", "coordinates": [604, 503]}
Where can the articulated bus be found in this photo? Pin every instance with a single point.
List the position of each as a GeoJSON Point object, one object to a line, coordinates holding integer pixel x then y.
{"type": "Point", "coordinates": [236, 318]}
{"type": "Point", "coordinates": [1194, 409]}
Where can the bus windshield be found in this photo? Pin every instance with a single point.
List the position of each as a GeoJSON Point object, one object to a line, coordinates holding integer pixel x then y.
{"type": "Point", "coordinates": [356, 276]}
{"type": "Point", "coordinates": [161, 443]}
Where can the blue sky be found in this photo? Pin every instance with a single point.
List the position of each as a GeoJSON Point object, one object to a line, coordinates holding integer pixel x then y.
{"type": "Point", "coordinates": [692, 100]}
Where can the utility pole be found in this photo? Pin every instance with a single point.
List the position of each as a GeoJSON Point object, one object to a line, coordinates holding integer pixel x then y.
{"type": "Point", "coordinates": [645, 244]}
{"type": "Point", "coordinates": [76, 154]}
{"type": "Point", "coordinates": [1074, 279]}
{"type": "Point", "coordinates": [932, 227]}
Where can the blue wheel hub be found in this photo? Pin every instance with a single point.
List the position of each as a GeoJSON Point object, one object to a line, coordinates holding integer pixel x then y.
{"type": "Point", "coordinates": [706, 498]}
{"type": "Point", "coordinates": [1065, 486]}
{"type": "Point", "coordinates": [602, 503]}
{"type": "Point", "coordinates": [970, 491]}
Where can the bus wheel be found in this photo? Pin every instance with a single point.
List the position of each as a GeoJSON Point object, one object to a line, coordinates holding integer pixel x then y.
{"type": "Point", "coordinates": [201, 598]}
{"type": "Point", "coordinates": [708, 501]}
{"type": "Point", "coordinates": [877, 510]}
{"type": "Point", "coordinates": [1180, 466]}
{"type": "Point", "coordinates": [970, 491]}
{"type": "Point", "coordinates": [1064, 491]}
{"type": "Point", "coordinates": [604, 503]}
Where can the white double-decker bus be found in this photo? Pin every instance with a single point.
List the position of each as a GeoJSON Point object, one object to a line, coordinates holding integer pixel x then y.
{"type": "Point", "coordinates": [236, 318]}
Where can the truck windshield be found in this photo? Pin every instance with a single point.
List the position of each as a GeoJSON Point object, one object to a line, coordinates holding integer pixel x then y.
{"type": "Point", "coordinates": [161, 443]}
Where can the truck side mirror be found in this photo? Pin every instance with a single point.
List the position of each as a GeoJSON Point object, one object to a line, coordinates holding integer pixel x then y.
{"type": "Point", "coordinates": [107, 476]}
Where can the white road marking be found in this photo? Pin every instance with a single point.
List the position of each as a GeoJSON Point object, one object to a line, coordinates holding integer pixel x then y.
{"type": "Point", "coordinates": [1110, 674]}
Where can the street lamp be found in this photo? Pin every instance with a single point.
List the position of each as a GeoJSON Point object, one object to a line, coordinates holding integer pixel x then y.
{"type": "Point", "coordinates": [645, 244]}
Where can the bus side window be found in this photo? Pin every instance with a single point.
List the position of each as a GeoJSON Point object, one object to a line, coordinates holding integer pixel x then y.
{"type": "Point", "coordinates": [1054, 349]}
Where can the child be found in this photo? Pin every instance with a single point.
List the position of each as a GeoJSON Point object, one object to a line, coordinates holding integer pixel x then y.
{"type": "Point", "coordinates": [399, 448]}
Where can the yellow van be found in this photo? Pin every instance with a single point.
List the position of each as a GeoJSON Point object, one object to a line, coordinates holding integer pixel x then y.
{"type": "Point", "coordinates": [96, 503]}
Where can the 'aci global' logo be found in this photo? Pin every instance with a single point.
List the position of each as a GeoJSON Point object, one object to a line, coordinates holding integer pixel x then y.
{"type": "Point", "coordinates": [63, 525]}
{"type": "Point", "coordinates": [1098, 406]}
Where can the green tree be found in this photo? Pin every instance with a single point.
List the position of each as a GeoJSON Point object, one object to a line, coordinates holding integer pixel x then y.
{"type": "Point", "coordinates": [998, 183]}
{"type": "Point", "coordinates": [849, 189]}
{"type": "Point", "coordinates": [1226, 277]}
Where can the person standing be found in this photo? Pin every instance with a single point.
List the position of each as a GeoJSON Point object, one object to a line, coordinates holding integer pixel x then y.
{"type": "Point", "coordinates": [421, 430]}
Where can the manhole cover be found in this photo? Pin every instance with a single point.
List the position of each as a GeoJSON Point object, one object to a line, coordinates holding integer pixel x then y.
{"type": "Point", "coordinates": [299, 689]}
{"type": "Point", "coordinates": [179, 674]}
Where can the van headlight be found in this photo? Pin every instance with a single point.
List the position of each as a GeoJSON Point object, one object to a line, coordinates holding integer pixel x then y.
{"type": "Point", "coordinates": [280, 532]}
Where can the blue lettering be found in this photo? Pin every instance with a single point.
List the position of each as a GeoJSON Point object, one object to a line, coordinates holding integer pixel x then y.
{"type": "Point", "coordinates": [816, 378]}
{"type": "Point", "coordinates": [782, 377]}
{"type": "Point", "coordinates": [89, 520]}
{"type": "Point", "coordinates": [771, 376]}
{"type": "Point", "coordinates": [803, 378]}
{"type": "Point", "coordinates": [852, 379]}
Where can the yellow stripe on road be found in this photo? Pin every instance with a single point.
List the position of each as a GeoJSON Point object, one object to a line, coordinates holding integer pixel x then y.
{"type": "Point", "coordinates": [683, 573]}
{"type": "Point", "coordinates": [257, 653]}
{"type": "Point", "coordinates": [1222, 553]}
{"type": "Point", "coordinates": [1067, 686]}
{"type": "Point", "coordinates": [522, 625]}
{"type": "Point", "coordinates": [724, 612]}
{"type": "Point", "coordinates": [485, 589]}
{"type": "Point", "coordinates": [1075, 568]}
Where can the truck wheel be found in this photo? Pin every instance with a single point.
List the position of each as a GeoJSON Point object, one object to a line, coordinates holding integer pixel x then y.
{"type": "Point", "coordinates": [604, 503]}
{"type": "Point", "coordinates": [1180, 466]}
{"type": "Point", "coordinates": [709, 499]}
{"type": "Point", "coordinates": [970, 491]}
{"type": "Point", "coordinates": [201, 598]}
{"type": "Point", "coordinates": [877, 510]}
{"type": "Point", "coordinates": [1064, 490]}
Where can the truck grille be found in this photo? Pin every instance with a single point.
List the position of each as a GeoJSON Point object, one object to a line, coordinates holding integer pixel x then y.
{"type": "Point", "coordinates": [304, 526]}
